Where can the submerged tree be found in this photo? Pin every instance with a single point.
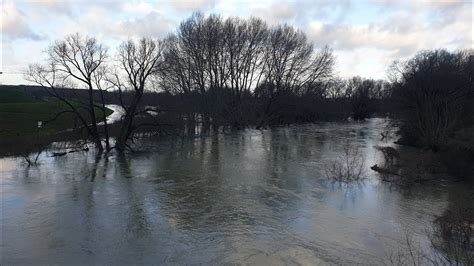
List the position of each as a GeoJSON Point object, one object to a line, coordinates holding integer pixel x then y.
{"type": "Point", "coordinates": [240, 62]}
{"type": "Point", "coordinates": [224, 71]}
{"type": "Point", "coordinates": [80, 62]}
{"type": "Point", "coordinates": [434, 90]}
{"type": "Point", "coordinates": [290, 65]}
{"type": "Point", "coordinates": [139, 60]}
{"type": "Point", "coordinates": [74, 62]}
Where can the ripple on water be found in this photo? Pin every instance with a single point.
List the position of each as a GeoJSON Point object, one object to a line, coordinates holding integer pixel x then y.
{"type": "Point", "coordinates": [254, 196]}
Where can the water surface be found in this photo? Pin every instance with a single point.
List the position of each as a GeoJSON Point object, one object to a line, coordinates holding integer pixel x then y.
{"type": "Point", "coordinates": [249, 197]}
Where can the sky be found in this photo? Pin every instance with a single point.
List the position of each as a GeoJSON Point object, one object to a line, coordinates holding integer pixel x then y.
{"type": "Point", "coordinates": [366, 36]}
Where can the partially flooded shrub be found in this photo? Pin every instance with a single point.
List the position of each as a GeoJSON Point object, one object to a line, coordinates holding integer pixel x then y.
{"type": "Point", "coordinates": [32, 151]}
{"type": "Point", "coordinates": [451, 238]}
{"type": "Point", "coordinates": [410, 253]}
{"type": "Point", "coordinates": [453, 235]}
{"type": "Point", "coordinates": [348, 167]}
{"type": "Point", "coordinates": [31, 159]}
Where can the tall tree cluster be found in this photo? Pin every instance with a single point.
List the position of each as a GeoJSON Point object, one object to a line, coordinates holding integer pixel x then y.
{"type": "Point", "coordinates": [244, 63]}
{"type": "Point", "coordinates": [435, 93]}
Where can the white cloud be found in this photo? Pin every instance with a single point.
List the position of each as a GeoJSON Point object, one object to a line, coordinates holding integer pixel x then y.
{"type": "Point", "coordinates": [192, 5]}
{"type": "Point", "coordinates": [406, 28]}
{"type": "Point", "coordinates": [153, 24]}
{"type": "Point", "coordinates": [54, 7]}
{"type": "Point", "coordinates": [138, 7]}
{"type": "Point", "coordinates": [364, 41]}
{"type": "Point", "coordinates": [349, 37]}
{"type": "Point", "coordinates": [15, 25]}
{"type": "Point", "coordinates": [365, 62]}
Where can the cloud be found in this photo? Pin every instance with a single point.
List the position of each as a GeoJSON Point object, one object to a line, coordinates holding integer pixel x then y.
{"type": "Point", "coordinates": [138, 7]}
{"type": "Point", "coordinates": [442, 11]}
{"type": "Point", "coordinates": [15, 24]}
{"type": "Point", "coordinates": [153, 25]}
{"type": "Point", "coordinates": [365, 62]}
{"type": "Point", "coordinates": [365, 35]}
{"type": "Point", "coordinates": [298, 13]}
{"type": "Point", "coordinates": [280, 13]}
{"type": "Point", "coordinates": [402, 29]}
{"type": "Point", "coordinates": [98, 23]}
{"type": "Point", "coordinates": [192, 5]}
{"type": "Point", "coordinates": [399, 32]}
{"type": "Point", "coordinates": [54, 10]}
{"type": "Point", "coordinates": [54, 7]}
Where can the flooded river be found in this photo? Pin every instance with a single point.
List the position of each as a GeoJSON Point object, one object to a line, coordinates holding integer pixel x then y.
{"type": "Point", "coordinates": [257, 197]}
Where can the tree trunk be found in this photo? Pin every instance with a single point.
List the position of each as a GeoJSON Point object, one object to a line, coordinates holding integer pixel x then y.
{"type": "Point", "coordinates": [127, 124]}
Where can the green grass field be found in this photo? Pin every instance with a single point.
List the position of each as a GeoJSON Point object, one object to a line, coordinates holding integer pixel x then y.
{"type": "Point", "coordinates": [15, 97]}
{"type": "Point", "coordinates": [19, 114]}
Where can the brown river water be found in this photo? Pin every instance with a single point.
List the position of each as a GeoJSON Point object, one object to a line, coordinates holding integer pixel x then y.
{"type": "Point", "coordinates": [252, 197]}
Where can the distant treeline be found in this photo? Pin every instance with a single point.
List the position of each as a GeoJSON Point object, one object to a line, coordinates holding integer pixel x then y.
{"type": "Point", "coordinates": [337, 99]}
{"type": "Point", "coordinates": [240, 72]}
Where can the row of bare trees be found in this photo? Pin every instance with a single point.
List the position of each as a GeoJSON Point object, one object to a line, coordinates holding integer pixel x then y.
{"type": "Point", "coordinates": [224, 71]}
{"type": "Point", "coordinates": [363, 95]}
{"type": "Point", "coordinates": [238, 60]}
{"type": "Point", "coordinates": [83, 62]}
{"type": "Point", "coordinates": [229, 71]}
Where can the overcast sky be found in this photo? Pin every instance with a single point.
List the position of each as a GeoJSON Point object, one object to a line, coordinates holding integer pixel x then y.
{"type": "Point", "coordinates": [366, 36]}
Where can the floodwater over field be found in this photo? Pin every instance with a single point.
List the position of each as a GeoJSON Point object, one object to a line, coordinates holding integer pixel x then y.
{"type": "Point", "coordinates": [251, 197]}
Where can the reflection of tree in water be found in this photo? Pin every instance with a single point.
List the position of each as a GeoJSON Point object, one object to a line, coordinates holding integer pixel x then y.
{"type": "Point", "coordinates": [281, 162]}
{"type": "Point", "coordinates": [123, 164]}
{"type": "Point", "coordinates": [95, 166]}
{"type": "Point", "coordinates": [451, 235]}
{"type": "Point", "coordinates": [188, 179]}
{"type": "Point", "coordinates": [453, 231]}
{"type": "Point", "coordinates": [226, 182]}
{"type": "Point", "coordinates": [138, 223]}
{"type": "Point", "coordinates": [351, 192]}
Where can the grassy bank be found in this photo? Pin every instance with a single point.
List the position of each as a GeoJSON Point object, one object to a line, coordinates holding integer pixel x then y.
{"type": "Point", "coordinates": [20, 113]}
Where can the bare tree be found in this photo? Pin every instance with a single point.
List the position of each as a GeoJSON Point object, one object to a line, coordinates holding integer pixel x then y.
{"type": "Point", "coordinates": [74, 62]}
{"type": "Point", "coordinates": [359, 91]}
{"type": "Point", "coordinates": [225, 64]}
{"type": "Point", "coordinates": [139, 60]}
{"type": "Point", "coordinates": [290, 65]}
